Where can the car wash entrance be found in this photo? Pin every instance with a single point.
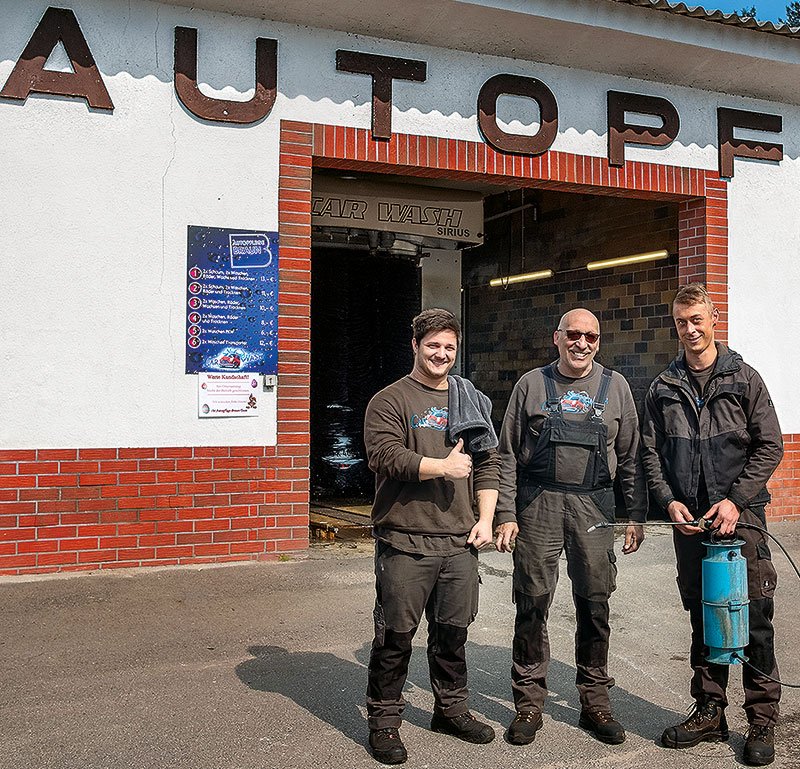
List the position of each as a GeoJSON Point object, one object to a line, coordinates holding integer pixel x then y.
{"type": "Point", "coordinates": [582, 211]}
{"type": "Point", "coordinates": [381, 250]}
{"type": "Point", "coordinates": [538, 253]}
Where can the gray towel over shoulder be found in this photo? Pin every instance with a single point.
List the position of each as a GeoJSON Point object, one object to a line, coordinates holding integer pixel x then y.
{"type": "Point", "coordinates": [470, 415]}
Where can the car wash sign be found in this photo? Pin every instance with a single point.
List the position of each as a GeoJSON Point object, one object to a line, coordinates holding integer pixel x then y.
{"type": "Point", "coordinates": [231, 301]}
{"type": "Point", "coordinates": [402, 208]}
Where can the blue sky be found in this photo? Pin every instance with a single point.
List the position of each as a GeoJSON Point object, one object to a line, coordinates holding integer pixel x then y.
{"type": "Point", "coordinates": [767, 10]}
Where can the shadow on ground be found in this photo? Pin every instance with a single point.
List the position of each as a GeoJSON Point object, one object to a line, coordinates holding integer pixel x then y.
{"type": "Point", "coordinates": [333, 689]}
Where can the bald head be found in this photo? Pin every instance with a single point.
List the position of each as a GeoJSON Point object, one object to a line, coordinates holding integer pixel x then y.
{"type": "Point", "coordinates": [575, 355]}
{"type": "Point", "coordinates": [582, 316]}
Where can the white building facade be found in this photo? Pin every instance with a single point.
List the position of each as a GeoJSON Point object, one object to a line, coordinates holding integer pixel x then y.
{"type": "Point", "coordinates": [113, 148]}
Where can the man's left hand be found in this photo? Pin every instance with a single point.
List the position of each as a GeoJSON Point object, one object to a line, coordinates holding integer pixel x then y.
{"type": "Point", "coordinates": [481, 535]}
{"type": "Point", "coordinates": [725, 516]}
{"type": "Point", "coordinates": [506, 534]}
{"type": "Point", "coordinates": [634, 536]}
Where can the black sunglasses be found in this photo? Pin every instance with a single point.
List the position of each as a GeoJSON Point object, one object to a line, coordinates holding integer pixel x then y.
{"type": "Point", "coordinates": [574, 336]}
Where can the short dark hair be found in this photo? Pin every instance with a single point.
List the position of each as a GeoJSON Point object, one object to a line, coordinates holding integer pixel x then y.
{"type": "Point", "coordinates": [433, 320]}
{"type": "Point", "coordinates": [693, 293]}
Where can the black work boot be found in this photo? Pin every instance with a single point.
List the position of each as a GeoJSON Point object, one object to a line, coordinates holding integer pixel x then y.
{"type": "Point", "coordinates": [523, 728]}
{"type": "Point", "coordinates": [387, 747]}
{"type": "Point", "coordinates": [759, 747]}
{"type": "Point", "coordinates": [706, 723]}
{"type": "Point", "coordinates": [602, 724]}
{"type": "Point", "coordinates": [464, 726]}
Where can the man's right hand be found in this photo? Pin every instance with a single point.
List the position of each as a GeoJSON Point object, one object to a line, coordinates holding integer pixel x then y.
{"type": "Point", "coordinates": [679, 513]}
{"type": "Point", "coordinates": [457, 464]}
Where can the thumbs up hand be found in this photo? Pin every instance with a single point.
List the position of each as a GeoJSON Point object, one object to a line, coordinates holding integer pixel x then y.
{"type": "Point", "coordinates": [457, 464]}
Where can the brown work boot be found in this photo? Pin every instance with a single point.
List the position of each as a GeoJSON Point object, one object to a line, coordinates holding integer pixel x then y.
{"type": "Point", "coordinates": [602, 724]}
{"type": "Point", "coordinates": [464, 726]}
{"type": "Point", "coordinates": [387, 747]}
{"type": "Point", "coordinates": [523, 728]}
{"type": "Point", "coordinates": [759, 747]}
{"type": "Point", "coordinates": [706, 723]}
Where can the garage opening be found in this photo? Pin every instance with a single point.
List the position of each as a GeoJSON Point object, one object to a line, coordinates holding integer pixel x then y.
{"type": "Point", "coordinates": [532, 255]}
{"type": "Point", "coordinates": [382, 249]}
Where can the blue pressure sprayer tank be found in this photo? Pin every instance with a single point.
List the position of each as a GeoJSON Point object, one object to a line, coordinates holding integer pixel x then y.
{"type": "Point", "coordinates": [725, 602]}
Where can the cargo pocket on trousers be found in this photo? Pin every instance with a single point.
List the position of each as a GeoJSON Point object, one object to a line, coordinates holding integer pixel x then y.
{"type": "Point", "coordinates": [767, 576]}
{"type": "Point", "coordinates": [380, 624]}
{"type": "Point", "coordinates": [475, 595]}
{"type": "Point", "coordinates": [612, 572]}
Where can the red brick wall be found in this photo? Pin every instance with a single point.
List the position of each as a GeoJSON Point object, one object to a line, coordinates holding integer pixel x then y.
{"type": "Point", "coordinates": [79, 509]}
{"type": "Point", "coordinates": [90, 508]}
{"type": "Point", "coordinates": [785, 484]}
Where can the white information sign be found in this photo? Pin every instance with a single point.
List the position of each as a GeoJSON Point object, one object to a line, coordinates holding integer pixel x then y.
{"type": "Point", "coordinates": [224, 394]}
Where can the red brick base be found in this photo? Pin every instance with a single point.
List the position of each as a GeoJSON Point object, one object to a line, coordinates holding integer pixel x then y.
{"type": "Point", "coordinates": [68, 509]}
{"type": "Point", "coordinates": [785, 484]}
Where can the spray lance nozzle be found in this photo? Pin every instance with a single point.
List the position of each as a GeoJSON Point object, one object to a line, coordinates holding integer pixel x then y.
{"type": "Point", "coordinates": [700, 523]}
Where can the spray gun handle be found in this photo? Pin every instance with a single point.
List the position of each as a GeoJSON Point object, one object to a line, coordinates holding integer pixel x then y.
{"type": "Point", "coordinates": [702, 523]}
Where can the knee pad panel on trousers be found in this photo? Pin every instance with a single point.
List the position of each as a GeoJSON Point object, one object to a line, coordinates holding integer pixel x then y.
{"type": "Point", "coordinates": [446, 655]}
{"type": "Point", "coordinates": [593, 631]}
{"type": "Point", "coordinates": [761, 648]}
{"type": "Point", "coordinates": [388, 664]}
{"type": "Point", "coordinates": [530, 628]}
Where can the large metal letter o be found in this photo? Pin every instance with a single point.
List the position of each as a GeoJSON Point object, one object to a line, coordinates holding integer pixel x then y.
{"type": "Point", "coordinates": [517, 85]}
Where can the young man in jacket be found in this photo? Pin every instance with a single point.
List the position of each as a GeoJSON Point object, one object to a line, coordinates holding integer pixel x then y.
{"type": "Point", "coordinates": [427, 534]}
{"type": "Point", "coordinates": [569, 429]}
{"type": "Point", "coordinates": [710, 442]}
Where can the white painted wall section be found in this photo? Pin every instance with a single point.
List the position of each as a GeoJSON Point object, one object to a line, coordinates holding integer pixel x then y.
{"type": "Point", "coordinates": [96, 207]}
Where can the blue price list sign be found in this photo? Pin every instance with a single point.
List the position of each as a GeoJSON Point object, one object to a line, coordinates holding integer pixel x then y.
{"type": "Point", "coordinates": [232, 301]}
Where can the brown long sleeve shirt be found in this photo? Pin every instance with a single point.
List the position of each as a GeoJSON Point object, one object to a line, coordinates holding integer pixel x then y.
{"type": "Point", "coordinates": [405, 422]}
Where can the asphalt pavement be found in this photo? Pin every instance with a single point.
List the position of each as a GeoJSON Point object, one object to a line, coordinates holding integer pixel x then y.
{"type": "Point", "coordinates": [264, 665]}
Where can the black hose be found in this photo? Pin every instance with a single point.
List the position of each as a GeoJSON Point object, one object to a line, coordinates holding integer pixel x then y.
{"type": "Point", "coordinates": [794, 566]}
{"type": "Point", "coordinates": [761, 672]}
{"type": "Point", "coordinates": [764, 531]}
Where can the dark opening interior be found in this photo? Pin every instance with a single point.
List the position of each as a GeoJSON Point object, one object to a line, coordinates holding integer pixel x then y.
{"type": "Point", "coordinates": [362, 307]}
{"type": "Point", "coordinates": [363, 299]}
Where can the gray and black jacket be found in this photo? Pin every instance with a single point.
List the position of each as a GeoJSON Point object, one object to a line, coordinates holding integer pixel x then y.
{"type": "Point", "coordinates": [732, 436]}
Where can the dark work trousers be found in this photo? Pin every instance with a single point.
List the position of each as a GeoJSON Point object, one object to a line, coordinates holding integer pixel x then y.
{"type": "Point", "coordinates": [710, 680]}
{"type": "Point", "coordinates": [406, 584]}
{"type": "Point", "coordinates": [553, 522]}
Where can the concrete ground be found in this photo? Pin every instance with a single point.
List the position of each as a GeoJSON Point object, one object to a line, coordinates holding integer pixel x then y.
{"type": "Point", "coordinates": [263, 665]}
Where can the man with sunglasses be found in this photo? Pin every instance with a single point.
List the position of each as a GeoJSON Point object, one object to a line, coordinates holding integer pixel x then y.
{"type": "Point", "coordinates": [710, 442]}
{"type": "Point", "coordinates": [570, 428]}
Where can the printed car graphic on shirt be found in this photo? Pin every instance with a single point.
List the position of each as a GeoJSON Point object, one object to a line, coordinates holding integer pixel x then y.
{"type": "Point", "coordinates": [576, 402]}
{"type": "Point", "coordinates": [435, 418]}
{"type": "Point", "coordinates": [573, 402]}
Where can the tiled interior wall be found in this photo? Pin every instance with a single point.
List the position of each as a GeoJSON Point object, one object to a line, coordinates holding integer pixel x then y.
{"type": "Point", "coordinates": [511, 328]}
